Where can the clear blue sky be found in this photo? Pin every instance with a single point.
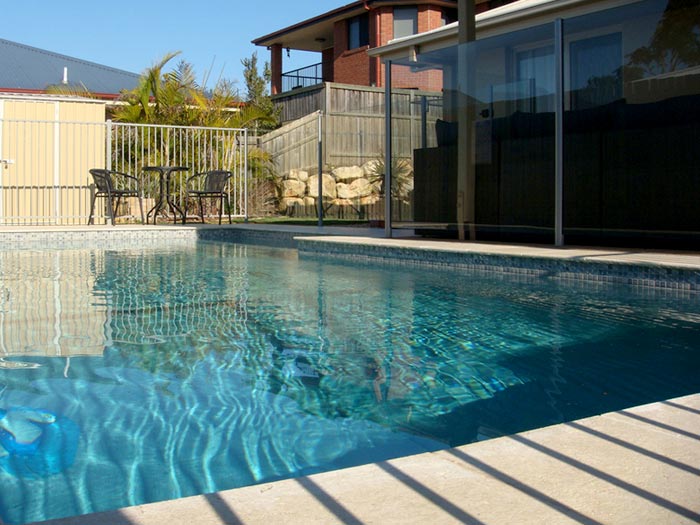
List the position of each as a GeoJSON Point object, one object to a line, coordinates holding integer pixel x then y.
{"type": "Point", "coordinates": [212, 34]}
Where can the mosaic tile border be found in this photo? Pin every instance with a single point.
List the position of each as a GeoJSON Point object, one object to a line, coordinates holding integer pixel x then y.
{"type": "Point", "coordinates": [639, 275]}
{"type": "Point", "coordinates": [649, 276]}
{"type": "Point", "coordinates": [98, 239]}
{"type": "Point", "coordinates": [137, 238]}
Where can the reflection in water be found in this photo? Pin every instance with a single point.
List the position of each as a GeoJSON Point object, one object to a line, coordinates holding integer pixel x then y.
{"type": "Point", "coordinates": [47, 307]}
{"type": "Point", "coordinates": [175, 372]}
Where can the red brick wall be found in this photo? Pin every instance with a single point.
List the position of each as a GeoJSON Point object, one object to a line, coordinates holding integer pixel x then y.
{"type": "Point", "coordinates": [276, 69]}
{"type": "Point", "coordinates": [350, 66]}
{"type": "Point", "coordinates": [354, 66]}
{"type": "Point", "coordinates": [429, 17]}
{"type": "Point", "coordinates": [403, 77]}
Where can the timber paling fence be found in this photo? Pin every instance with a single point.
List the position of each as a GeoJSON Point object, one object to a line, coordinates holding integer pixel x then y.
{"type": "Point", "coordinates": [347, 125]}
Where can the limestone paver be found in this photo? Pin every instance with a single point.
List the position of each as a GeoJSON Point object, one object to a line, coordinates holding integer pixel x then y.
{"type": "Point", "coordinates": [638, 466]}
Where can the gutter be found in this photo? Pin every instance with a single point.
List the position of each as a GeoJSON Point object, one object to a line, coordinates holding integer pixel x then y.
{"type": "Point", "coordinates": [342, 13]}
{"type": "Point", "coordinates": [517, 13]}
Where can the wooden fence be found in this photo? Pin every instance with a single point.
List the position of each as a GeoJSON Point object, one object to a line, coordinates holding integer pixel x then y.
{"type": "Point", "coordinates": [352, 126]}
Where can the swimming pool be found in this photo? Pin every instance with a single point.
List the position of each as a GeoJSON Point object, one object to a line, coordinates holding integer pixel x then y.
{"type": "Point", "coordinates": [137, 375]}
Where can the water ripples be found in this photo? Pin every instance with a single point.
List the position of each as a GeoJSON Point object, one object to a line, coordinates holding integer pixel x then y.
{"type": "Point", "coordinates": [233, 365]}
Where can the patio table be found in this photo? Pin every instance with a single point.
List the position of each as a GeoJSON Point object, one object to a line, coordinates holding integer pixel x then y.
{"type": "Point", "coordinates": [165, 173]}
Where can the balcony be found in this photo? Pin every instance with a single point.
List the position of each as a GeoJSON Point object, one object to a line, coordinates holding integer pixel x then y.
{"type": "Point", "coordinates": [302, 77]}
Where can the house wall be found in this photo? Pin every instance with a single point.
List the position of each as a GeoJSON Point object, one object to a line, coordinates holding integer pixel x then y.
{"type": "Point", "coordinates": [327, 64]}
{"type": "Point", "coordinates": [354, 66]}
{"type": "Point", "coordinates": [350, 66]}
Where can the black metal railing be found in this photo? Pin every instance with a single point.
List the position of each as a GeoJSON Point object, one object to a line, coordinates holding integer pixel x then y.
{"type": "Point", "coordinates": [302, 77]}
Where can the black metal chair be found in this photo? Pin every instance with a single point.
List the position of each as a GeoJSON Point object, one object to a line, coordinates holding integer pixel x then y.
{"type": "Point", "coordinates": [113, 185]}
{"type": "Point", "coordinates": [213, 187]}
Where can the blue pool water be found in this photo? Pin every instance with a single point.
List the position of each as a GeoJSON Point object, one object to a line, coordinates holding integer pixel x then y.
{"type": "Point", "coordinates": [131, 376]}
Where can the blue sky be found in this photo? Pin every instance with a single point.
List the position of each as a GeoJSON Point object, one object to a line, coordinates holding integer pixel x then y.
{"type": "Point", "coordinates": [213, 34]}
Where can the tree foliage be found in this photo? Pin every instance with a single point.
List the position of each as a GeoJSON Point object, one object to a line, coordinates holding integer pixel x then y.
{"type": "Point", "coordinates": [257, 94]}
{"type": "Point", "coordinates": [675, 44]}
{"type": "Point", "coordinates": [175, 98]}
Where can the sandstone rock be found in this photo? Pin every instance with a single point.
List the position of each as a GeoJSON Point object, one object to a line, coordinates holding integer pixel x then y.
{"type": "Point", "coordinates": [290, 202]}
{"type": "Point", "coordinates": [369, 200]}
{"type": "Point", "coordinates": [377, 186]}
{"type": "Point", "coordinates": [295, 174]}
{"type": "Point", "coordinates": [328, 186]}
{"type": "Point", "coordinates": [357, 188]}
{"type": "Point", "coordinates": [343, 190]}
{"type": "Point", "coordinates": [309, 201]}
{"type": "Point", "coordinates": [348, 173]}
{"type": "Point", "coordinates": [360, 188]}
{"type": "Point", "coordinates": [293, 188]}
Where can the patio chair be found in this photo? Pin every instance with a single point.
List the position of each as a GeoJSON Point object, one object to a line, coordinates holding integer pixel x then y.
{"type": "Point", "coordinates": [111, 185]}
{"type": "Point", "coordinates": [212, 186]}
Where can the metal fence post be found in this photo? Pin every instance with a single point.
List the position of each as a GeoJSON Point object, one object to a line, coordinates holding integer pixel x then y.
{"type": "Point", "coordinates": [245, 175]}
{"type": "Point", "coordinates": [108, 135]}
{"type": "Point", "coordinates": [388, 151]}
{"type": "Point", "coordinates": [319, 202]}
{"type": "Point", "coordinates": [559, 133]}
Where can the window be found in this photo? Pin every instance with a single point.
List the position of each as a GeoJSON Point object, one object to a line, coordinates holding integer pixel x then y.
{"type": "Point", "coordinates": [358, 31]}
{"type": "Point", "coordinates": [448, 16]}
{"type": "Point", "coordinates": [535, 79]}
{"type": "Point", "coordinates": [405, 21]}
{"type": "Point", "coordinates": [596, 69]}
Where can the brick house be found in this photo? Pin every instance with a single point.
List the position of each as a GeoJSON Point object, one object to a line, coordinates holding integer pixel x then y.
{"type": "Point", "coordinates": [343, 36]}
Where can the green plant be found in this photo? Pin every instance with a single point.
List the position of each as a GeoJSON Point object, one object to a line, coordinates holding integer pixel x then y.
{"type": "Point", "coordinates": [401, 176]}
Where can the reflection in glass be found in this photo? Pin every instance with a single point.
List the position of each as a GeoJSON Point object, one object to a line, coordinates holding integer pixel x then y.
{"type": "Point", "coordinates": [631, 125]}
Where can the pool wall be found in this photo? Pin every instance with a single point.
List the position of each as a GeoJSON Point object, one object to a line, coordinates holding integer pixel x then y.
{"type": "Point", "coordinates": [651, 275]}
{"type": "Point", "coordinates": [646, 275]}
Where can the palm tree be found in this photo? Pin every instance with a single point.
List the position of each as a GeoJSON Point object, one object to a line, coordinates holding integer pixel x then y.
{"type": "Point", "coordinates": [174, 98]}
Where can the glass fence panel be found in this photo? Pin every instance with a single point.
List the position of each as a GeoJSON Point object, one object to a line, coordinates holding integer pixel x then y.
{"type": "Point", "coordinates": [632, 125]}
{"type": "Point", "coordinates": [496, 181]}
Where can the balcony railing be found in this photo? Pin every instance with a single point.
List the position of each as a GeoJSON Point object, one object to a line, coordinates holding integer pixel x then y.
{"type": "Point", "coordinates": [302, 77]}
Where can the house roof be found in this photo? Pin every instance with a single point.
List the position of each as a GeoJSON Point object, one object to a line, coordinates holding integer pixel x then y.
{"type": "Point", "coordinates": [29, 69]}
{"type": "Point", "coordinates": [510, 17]}
{"type": "Point", "coordinates": [316, 34]}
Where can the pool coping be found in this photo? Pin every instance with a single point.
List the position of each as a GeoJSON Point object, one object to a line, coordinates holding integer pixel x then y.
{"type": "Point", "coordinates": [635, 466]}
{"type": "Point", "coordinates": [666, 270]}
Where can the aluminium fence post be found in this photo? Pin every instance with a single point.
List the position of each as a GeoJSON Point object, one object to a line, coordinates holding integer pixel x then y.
{"type": "Point", "coordinates": [108, 149]}
{"type": "Point", "coordinates": [387, 152]}
{"type": "Point", "coordinates": [559, 132]}
{"type": "Point", "coordinates": [319, 201]}
{"type": "Point", "coordinates": [245, 175]}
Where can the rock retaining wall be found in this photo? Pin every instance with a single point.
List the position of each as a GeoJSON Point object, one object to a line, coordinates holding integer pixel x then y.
{"type": "Point", "coordinates": [343, 186]}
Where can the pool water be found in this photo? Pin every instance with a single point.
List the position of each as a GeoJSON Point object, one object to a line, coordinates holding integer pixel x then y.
{"type": "Point", "coordinates": [130, 376]}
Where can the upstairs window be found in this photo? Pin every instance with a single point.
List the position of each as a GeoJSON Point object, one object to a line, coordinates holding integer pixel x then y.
{"type": "Point", "coordinates": [358, 31]}
{"type": "Point", "coordinates": [405, 21]}
{"type": "Point", "coordinates": [449, 16]}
